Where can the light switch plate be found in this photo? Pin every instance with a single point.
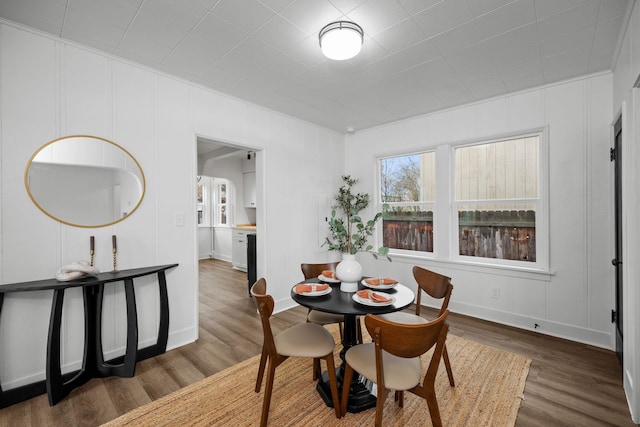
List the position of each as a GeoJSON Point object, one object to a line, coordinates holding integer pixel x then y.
{"type": "Point", "coordinates": [180, 219]}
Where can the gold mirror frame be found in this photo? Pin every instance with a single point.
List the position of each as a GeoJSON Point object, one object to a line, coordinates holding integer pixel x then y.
{"type": "Point", "coordinates": [139, 174]}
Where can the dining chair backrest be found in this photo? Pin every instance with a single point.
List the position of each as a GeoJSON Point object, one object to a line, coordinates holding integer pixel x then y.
{"type": "Point", "coordinates": [264, 304]}
{"type": "Point", "coordinates": [435, 285]}
{"type": "Point", "coordinates": [311, 271]}
{"type": "Point", "coordinates": [405, 340]}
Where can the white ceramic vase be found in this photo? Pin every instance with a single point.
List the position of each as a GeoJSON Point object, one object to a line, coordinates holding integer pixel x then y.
{"type": "Point", "coordinates": [349, 272]}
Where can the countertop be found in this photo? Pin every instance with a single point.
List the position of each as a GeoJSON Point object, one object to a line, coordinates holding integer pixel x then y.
{"type": "Point", "coordinates": [247, 227]}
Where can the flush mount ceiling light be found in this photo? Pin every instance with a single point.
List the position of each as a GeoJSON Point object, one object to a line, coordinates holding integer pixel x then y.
{"type": "Point", "coordinates": [341, 40]}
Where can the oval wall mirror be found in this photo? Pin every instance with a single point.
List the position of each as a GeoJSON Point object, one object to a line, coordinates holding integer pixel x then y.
{"type": "Point", "coordinates": [84, 181]}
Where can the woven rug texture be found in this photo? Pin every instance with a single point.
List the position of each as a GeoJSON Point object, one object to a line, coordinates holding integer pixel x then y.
{"type": "Point", "coordinates": [489, 389]}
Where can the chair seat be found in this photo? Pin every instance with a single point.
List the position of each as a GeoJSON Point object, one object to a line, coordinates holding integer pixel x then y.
{"type": "Point", "coordinates": [322, 318]}
{"type": "Point", "coordinates": [305, 340]}
{"type": "Point", "coordinates": [402, 317]}
{"type": "Point", "coordinates": [399, 373]}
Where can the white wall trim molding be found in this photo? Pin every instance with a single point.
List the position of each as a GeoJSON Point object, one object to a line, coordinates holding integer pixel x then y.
{"type": "Point", "coordinates": [546, 327]}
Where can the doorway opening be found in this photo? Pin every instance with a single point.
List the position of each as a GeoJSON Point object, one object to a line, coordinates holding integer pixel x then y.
{"type": "Point", "coordinates": [226, 206]}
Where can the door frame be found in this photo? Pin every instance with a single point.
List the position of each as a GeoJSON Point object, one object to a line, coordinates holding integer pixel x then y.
{"type": "Point", "coordinates": [618, 311]}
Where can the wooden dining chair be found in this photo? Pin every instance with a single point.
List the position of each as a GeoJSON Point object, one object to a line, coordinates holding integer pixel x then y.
{"type": "Point", "coordinates": [392, 361]}
{"type": "Point", "coordinates": [436, 286]}
{"type": "Point", "coordinates": [305, 340]}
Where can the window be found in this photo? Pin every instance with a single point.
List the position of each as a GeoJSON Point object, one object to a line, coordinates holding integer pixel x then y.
{"type": "Point", "coordinates": [214, 201]}
{"type": "Point", "coordinates": [497, 198]}
{"type": "Point", "coordinates": [202, 196]}
{"type": "Point", "coordinates": [407, 185]}
{"type": "Point", "coordinates": [221, 201]}
{"type": "Point", "coordinates": [487, 203]}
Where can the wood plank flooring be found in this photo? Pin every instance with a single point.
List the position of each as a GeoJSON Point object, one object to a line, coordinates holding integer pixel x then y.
{"type": "Point", "coordinates": [569, 384]}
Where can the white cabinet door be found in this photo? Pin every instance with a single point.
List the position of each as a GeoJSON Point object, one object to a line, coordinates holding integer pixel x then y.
{"type": "Point", "coordinates": [239, 250]}
{"type": "Point", "coordinates": [249, 190]}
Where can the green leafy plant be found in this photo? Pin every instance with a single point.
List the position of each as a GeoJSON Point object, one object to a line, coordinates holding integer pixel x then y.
{"type": "Point", "coordinates": [348, 232]}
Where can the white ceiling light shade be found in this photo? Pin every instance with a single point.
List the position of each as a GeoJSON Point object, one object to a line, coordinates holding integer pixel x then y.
{"type": "Point", "coordinates": [341, 40]}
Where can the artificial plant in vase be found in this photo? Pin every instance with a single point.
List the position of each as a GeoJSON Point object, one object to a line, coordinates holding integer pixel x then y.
{"type": "Point", "coordinates": [349, 234]}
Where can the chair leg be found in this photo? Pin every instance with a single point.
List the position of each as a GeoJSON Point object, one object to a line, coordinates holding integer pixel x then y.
{"type": "Point", "coordinates": [333, 382]}
{"type": "Point", "coordinates": [358, 330]}
{"type": "Point", "coordinates": [263, 361]}
{"type": "Point", "coordinates": [400, 398]}
{"type": "Point", "coordinates": [317, 372]}
{"type": "Point", "coordinates": [447, 365]}
{"type": "Point", "coordinates": [433, 408]}
{"type": "Point", "coordinates": [382, 396]}
{"type": "Point", "coordinates": [271, 371]}
{"type": "Point", "coordinates": [346, 385]}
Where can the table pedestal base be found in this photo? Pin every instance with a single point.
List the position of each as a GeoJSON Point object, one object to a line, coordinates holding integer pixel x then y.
{"type": "Point", "coordinates": [362, 393]}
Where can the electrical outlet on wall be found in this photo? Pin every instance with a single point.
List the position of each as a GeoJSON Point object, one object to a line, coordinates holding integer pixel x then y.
{"type": "Point", "coordinates": [495, 293]}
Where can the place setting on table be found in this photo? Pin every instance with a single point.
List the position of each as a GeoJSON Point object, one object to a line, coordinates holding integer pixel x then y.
{"type": "Point", "coordinates": [374, 295]}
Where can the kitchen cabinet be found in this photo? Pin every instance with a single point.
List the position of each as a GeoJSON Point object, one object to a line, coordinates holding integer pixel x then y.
{"type": "Point", "coordinates": [249, 190]}
{"type": "Point", "coordinates": [239, 249]}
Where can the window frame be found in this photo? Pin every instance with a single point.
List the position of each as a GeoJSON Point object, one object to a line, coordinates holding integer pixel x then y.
{"type": "Point", "coordinates": [541, 206]}
{"type": "Point", "coordinates": [216, 213]}
{"type": "Point", "coordinates": [203, 205]}
{"type": "Point", "coordinates": [431, 203]}
{"type": "Point", "coordinates": [445, 213]}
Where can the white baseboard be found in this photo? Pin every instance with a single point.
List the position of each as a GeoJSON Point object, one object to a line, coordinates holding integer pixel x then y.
{"type": "Point", "coordinates": [546, 327]}
{"type": "Point", "coordinates": [222, 257]}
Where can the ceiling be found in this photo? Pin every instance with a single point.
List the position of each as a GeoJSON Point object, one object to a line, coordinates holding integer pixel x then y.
{"type": "Point", "coordinates": [418, 56]}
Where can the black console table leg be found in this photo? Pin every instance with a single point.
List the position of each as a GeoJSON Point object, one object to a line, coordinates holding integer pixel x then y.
{"type": "Point", "coordinates": [130, 357]}
{"type": "Point", "coordinates": [57, 387]}
{"type": "Point", "coordinates": [128, 366]}
{"type": "Point", "coordinates": [163, 328]}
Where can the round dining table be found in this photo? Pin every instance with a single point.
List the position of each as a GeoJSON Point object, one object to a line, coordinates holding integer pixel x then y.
{"type": "Point", "coordinates": [339, 302]}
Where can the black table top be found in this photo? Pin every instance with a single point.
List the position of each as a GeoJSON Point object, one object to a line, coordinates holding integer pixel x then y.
{"type": "Point", "coordinates": [342, 302]}
{"type": "Point", "coordinates": [107, 277]}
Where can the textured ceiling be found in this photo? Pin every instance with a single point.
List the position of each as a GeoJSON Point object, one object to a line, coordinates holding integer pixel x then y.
{"type": "Point", "coordinates": [418, 56]}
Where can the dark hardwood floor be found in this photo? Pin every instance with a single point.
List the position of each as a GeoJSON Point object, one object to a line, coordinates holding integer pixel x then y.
{"type": "Point", "coordinates": [569, 384]}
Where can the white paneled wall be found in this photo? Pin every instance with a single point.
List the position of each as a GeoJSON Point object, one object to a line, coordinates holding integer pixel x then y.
{"type": "Point", "coordinates": [575, 300]}
{"type": "Point", "coordinates": [49, 89]}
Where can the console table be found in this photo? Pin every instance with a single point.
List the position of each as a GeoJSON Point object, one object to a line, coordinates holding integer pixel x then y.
{"type": "Point", "coordinates": [57, 385]}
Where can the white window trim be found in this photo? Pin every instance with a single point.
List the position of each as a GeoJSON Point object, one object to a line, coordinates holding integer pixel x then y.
{"type": "Point", "coordinates": [205, 182]}
{"type": "Point", "coordinates": [445, 215]}
{"type": "Point", "coordinates": [378, 202]}
{"type": "Point", "coordinates": [542, 215]}
{"type": "Point", "coordinates": [229, 204]}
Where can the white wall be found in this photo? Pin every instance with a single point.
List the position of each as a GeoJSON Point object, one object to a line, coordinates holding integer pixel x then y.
{"type": "Point", "coordinates": [575, 300]}
{"type": "Point", "coordinates": [51, 88]}
{"type": "Point", "coordinates": [626, 102]}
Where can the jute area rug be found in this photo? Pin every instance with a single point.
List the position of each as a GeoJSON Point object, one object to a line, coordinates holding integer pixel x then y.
{"type": "Point", "coordinates": [489, 388]}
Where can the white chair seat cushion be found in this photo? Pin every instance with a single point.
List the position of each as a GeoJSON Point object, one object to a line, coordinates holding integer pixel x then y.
{"type": "Point", "coordinates": [399, 373]}
{"type": "Point", "coordinates": [322, 318]}
{"type": "Point", "coordinates": [304, 340]}
{"type": "Point", "coordinates": [402, 317]}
